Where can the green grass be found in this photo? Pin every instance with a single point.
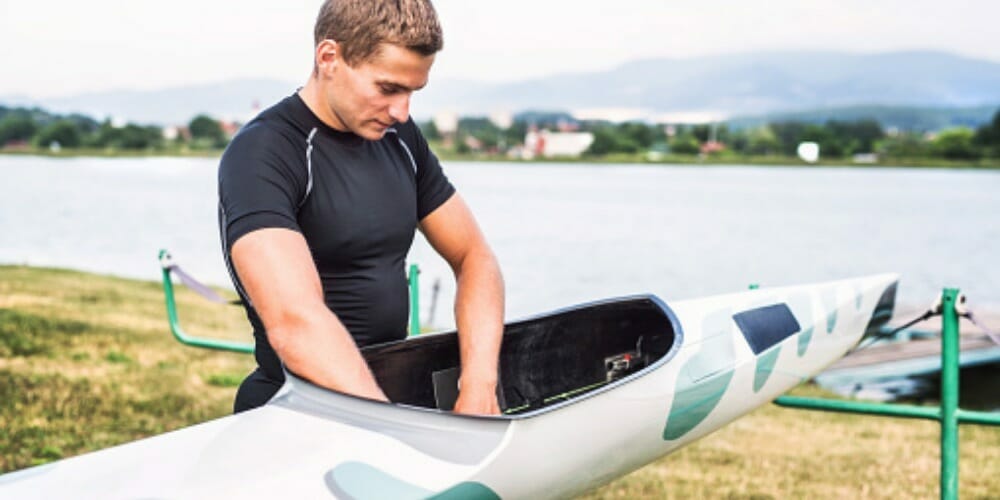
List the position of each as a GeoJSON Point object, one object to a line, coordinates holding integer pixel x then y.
{"type": "Point", "coordinates": [87, 362]}
{"type": "Point", "coordinates": [779, 452]}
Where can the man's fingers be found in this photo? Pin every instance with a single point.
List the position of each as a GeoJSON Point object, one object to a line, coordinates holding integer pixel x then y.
{"type": "Point", "coordinates": [471, 403]}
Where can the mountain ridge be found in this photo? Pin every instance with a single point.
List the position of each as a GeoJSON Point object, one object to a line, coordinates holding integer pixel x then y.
{"type": "Point", "coordinates": [724, 85]}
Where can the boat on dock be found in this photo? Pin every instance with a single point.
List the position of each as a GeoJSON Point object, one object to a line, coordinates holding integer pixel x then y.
{"type": "Point", "coordinates": [906, 369]}
{"type": "Point", "coordinates": [589, 393]}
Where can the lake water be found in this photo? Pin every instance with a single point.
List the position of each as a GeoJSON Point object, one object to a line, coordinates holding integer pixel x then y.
{"type": "Point", "coordinates": [564, 233]}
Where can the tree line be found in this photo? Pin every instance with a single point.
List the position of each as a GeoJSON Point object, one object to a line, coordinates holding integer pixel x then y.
{"type": "Point", "coordinates": [34, 127]}
{"type": "Point", "coordinates": [836, 139]}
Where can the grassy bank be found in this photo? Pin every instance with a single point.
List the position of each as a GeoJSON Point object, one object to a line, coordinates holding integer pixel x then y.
{"type": "Point", "coordinates": [86, 362]}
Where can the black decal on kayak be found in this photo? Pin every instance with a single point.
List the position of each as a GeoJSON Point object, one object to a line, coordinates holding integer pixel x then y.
{"type": "Point", "coordinates": [766, 326]}
{"type": "Point", "coordinates": [883, 310]}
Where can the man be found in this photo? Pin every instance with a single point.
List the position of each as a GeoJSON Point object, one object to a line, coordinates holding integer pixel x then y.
{"type": "Point", "coordinates": [320, 196]}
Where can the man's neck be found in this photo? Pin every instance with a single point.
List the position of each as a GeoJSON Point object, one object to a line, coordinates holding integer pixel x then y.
{"type": "Point", "coordinates": [317, 102]}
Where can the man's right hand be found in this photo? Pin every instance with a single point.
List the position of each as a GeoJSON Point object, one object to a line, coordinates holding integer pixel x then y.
{"type": "Point", "coordinates": [276, 270]}
{"type": "Point", "coordinates": [477, 400]}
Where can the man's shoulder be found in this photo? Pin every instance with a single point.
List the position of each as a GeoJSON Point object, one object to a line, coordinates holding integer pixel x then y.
{"type": "Point", "coordinates": [276, 125]}
{"type": "Point", "coordinates": [272, 140]}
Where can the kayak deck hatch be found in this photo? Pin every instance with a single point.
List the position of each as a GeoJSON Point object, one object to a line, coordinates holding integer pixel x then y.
{"type": "Point", "coordinates": [544, 360]}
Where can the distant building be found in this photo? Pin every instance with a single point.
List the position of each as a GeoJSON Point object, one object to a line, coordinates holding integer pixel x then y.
{"type": "Point", "coordinates": [710, 147]}
{"type": "Point", "coordinates": [17, 144]}
{"type": "Point", "coordinates": [230, 127]}
{"type": "Point", "coordinates": [171, 133]}
{"type": "Point", "coordinates": [550, 144]}
{"type": "Point", "coordinates": [865, 158]}
{"type": "Point", "coordinates": [446, 122]}
{"type": "Point", "coordinates": [502, 119]}
{"type": "Point", "coordinates": [808, 152]}
{"type": "Point", "coordinates": [473, 143]}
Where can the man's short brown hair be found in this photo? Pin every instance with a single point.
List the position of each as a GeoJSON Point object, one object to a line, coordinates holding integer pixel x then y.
{"type": "Point", "coordinates": [359, 26]}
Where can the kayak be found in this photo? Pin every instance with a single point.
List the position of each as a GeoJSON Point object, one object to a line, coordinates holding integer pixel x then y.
{"type": "Point", "coordinates": [589, 393]}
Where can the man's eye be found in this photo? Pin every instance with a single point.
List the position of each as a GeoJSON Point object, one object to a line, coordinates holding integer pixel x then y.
{"type": "Point", "coordinates": [387, 90]}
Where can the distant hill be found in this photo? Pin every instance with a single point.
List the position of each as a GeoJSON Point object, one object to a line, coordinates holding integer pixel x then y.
{"type": "Point", "coordinates": [899, 117]}
{"type": "Point", "coordinates": [751, 84]}
{"type": "Point", "coordinates": [747, 84]}
{"type": "Point", "coordinates": [177, 105]}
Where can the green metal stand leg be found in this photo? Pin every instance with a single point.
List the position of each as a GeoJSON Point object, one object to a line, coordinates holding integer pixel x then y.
{"type": "Point", "coordinates": [414, 300]}
{"type": "Point", "coordinates": [949, 396]}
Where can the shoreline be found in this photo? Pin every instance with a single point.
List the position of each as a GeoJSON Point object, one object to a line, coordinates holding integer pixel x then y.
{"type": "Point", "coordinates": [638, 159]}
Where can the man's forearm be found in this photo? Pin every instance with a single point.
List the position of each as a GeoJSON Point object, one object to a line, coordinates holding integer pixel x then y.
{"type": "Point", "coordinates": [479, 306]}
{"type": "Point", "coordinates": [319, 349]}
{"type": "Point", "coordinates": [452, 231]}
{"type": "Point", "coordinates": [277, 271]}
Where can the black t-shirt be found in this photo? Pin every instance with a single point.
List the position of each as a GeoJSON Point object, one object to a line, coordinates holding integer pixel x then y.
{"type": "Point", "coordinates": [356, 202]}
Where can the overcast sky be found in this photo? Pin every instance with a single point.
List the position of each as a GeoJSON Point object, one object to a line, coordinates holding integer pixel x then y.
{"type": "Point", "coordinates": [56, 48]}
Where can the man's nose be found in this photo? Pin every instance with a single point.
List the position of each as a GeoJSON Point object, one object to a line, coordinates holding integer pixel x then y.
{"type": "Point", "coordinates": [399, 108]}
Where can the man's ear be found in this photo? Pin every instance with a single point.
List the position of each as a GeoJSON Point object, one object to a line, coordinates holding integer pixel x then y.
{"type": "Point", "coordinates": [327, 57]}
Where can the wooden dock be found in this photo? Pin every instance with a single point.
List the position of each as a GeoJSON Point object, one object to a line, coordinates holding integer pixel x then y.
{"type": "Point", "coordinates": [881, 354]}
{"type": "Point", "coordinates": [891, 367]}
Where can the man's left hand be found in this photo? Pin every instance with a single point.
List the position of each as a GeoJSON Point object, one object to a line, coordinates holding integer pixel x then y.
{"type": "Point", "coordinates": [480, 400]}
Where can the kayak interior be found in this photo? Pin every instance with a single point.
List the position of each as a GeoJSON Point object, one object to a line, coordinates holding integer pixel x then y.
{"type": "Point", "coordinates": [544, 361]}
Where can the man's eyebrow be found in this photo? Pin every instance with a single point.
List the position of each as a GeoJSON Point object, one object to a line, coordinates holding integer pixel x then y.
{"type": "Point", "coordinates": [399, 86]}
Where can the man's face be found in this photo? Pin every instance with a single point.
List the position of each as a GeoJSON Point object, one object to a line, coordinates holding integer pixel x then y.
{"type": "Point", "coordinates": [374, 95]}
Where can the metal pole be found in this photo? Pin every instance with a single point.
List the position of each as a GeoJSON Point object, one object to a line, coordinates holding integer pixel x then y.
{"type": "Point", "coordinates": [949, 395]}
{"type": "Point", "coordinates": [175, 325]}
{"type": "Point", "coordinates": [414, 300]}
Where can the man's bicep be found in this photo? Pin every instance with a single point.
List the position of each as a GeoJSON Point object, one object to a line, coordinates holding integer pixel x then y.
{"type": "Point", "coordinates": [276, 270]}
{"type": "Point", "coordinates": [452, 230]}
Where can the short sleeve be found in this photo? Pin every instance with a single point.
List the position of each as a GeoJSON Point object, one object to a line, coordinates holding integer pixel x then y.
{"type": "Point", "coordinates": [433, 187]}
{"type": "Point", "coordinates": [261, 182]}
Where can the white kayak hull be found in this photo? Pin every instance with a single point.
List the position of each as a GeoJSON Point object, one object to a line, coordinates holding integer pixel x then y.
{"type": "Point", "coordinates": [714, 359]}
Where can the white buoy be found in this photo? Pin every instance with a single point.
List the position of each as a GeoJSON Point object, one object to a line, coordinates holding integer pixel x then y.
{"type": "Point", "coordinates": [809, 152]}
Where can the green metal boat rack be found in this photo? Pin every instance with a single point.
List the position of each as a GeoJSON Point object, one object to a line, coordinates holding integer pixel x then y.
{"type": "Point", "coordinates": [175, 325]}
{"type": "Point", "coordinates": [245, 347]}
{"type": "Point", "coordinates": [948, 413]}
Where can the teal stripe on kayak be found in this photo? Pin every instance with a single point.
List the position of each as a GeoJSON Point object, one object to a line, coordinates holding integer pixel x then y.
{"type": "Point", "coordinates": [804, 338]}
{"type": "Point", "coordinates": [694, 403]}
{"type": "Point", "coordinates": [470, 490]}
{"type": "Point", "coordinates": [362, 481]}
{"type": "Point", "coordinates": [801, 305]}
{"type": "Point", "coordinates": [830, 304]}
{"type": "Point", "coordinates": [704, 378]}
{"type": "Point", "coordinates": [765, 367]}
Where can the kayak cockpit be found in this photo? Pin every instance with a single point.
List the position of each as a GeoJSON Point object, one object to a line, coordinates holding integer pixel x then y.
{"type": "Point", "coordinates": [544, 361]}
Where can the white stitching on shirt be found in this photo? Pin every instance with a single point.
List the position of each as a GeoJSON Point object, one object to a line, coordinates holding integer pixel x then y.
{"type": "Point", "coordinates": [225, 253]}
{"type": "Point", "coordinates": [309, 165]}
{"type": "Point", "coordinates": [406, 148]}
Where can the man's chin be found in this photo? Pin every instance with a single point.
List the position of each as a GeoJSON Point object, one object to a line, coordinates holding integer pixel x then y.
{"type": "Point", "coordinates": [372, 132]}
